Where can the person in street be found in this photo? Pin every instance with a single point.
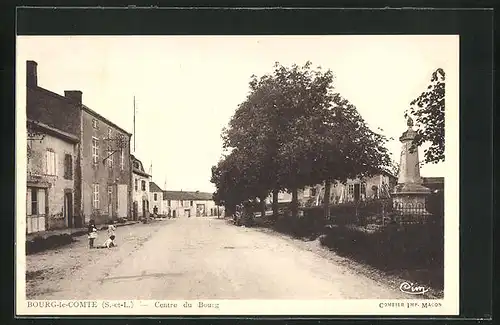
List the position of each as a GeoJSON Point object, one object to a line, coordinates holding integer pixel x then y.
{"type": "Point", "coordinates": [109, 242]}
{"type": "Point", "coordinates": [111, 236]}
{"type": "Point", "coordinates": [92, 233]}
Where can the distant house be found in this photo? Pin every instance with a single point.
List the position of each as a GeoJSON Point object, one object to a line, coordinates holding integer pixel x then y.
{"type": "Point", "coordinates": [363, 188]}
{"type": "Point", "coordinates": [156, 199]}
{"type": "Point", "coordinates": [433, 183]}
{"type": "Point", "coordinates": [140, 196]}
{"type": "Point", "coordinates": [188, 204]}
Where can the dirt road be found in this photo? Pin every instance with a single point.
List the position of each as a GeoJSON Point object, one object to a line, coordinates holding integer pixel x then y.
{"type": "Point", "coordinates": [196, 258]}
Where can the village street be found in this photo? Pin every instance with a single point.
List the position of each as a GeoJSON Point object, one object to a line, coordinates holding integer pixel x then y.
{"type": "Point", "coordinates": [195, 258]}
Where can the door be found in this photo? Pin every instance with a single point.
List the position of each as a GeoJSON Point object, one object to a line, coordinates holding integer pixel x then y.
{"type": "Point", "coordinates": [121, 209]}
{"type": "Point", "coordinates": [68, 209]}
{"type": "Point", "coordinates": [187, 212]}
{"type": "Point", "coordinates": [200, 210]}
{"type": "Point", "coordinates": [35, 210]}
{"type": "Point", "coordinates": [144, 207]}
{"type": "Point", "coordinates": [110, 202]}
{"type": "Point", "coordinates": [356, 192]}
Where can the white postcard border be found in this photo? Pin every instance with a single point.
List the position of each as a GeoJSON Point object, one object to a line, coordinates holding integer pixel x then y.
{"type": "Point", "coordinates": [449, 305]}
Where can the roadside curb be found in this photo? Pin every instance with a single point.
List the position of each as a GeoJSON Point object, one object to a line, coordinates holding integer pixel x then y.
{"type": "Point", "coordinates": [45, 242]}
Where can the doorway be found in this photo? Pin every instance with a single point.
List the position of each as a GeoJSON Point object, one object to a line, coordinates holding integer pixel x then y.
{"type": "Point", "coordinates": [68, 209]}
{"type": "Point", "coordinates": [145, 208]}
{"type": "Point", "coordinates": [187, 212]}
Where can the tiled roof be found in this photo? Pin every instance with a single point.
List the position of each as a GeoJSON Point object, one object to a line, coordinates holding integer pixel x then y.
{"type": "Point", "coordinates": [182, 195]}
{"type": "Point", "coordinates": [139, 169]}
{"type": "Point", "coordinates": [154, 188]}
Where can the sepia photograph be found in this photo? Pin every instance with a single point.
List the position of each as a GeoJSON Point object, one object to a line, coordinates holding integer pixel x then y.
{"type": "Point", "coordinates": [237, 174]}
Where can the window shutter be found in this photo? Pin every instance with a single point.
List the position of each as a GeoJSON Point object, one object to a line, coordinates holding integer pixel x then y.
{"type": "Point", "coordinates": [28, 201]}
{"type": "Point", "coordinates": [41, 201]}
{"type": "Point", "coordinates": [55, 164]}
{"type": "Point", "coordinates": [47, 159]}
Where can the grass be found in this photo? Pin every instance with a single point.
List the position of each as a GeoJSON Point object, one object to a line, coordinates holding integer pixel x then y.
{"type": "Point", "coordinates": [413, 252]}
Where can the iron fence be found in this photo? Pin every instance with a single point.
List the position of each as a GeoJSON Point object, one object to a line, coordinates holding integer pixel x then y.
{"type": "Point", "coordinates": [386, 211]}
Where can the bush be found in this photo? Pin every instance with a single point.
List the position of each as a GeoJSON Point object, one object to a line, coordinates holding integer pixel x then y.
{"type": "Point", "coordinates": [409, 247]}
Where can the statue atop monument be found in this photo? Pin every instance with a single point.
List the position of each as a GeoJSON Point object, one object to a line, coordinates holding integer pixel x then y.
{"type": "Point", "coordinates": [409, 122]}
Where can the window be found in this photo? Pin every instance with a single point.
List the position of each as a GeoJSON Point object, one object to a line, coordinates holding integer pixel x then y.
{"type": "Point", "coordinates": [95, 150]}
{"type": "Point", "coordinates": [156, 197]}
{"type": "Point", "coordinates": [34, 201]}
{"type": "Point", "coordinates": [110, 157]}
{"type": "Point", "coordinates": [136, 184]}
{"type": "Point", "coordinates": [350, 189]}
{"type": "Point", "coordinates": [110, 150]}
{"type": "Point", "coordinates": [122, 159]}
{"type": "Point", "coordinates": [191, 203]}
{"type": "Point", "coordinates": [168, 203]}
{"type": "Point", "coordinates": [68, 166]}
{"type": "Point", "coordinates": [186, 203]}
{"type": "Point", "coordinates": [143, 185]}
{"type": "Point", "coordinates": [51, 163]}
{"type": "Point", "coordinates": [94, 123]}
{"type": "Point", "coordinates": [313, 191]}
{"type": "Point", "coordinates": [95, 196]}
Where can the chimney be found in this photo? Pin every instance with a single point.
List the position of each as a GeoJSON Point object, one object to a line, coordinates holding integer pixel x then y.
{"type": "Point", "coordinates": [31, 75]}
{"type": "Point", "coordinates": [74, 95]}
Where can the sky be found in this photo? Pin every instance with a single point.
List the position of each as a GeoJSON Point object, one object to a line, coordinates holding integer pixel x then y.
{"type": "Point", "coordinates": [186, 88]}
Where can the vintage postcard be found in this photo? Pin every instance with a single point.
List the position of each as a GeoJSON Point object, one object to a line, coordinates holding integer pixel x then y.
{"type": "Point", "coordinates": [237, 175]}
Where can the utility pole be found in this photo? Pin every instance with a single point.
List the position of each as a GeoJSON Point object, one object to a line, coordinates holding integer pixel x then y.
{"type": "Point", "coordinates": [134, 124]}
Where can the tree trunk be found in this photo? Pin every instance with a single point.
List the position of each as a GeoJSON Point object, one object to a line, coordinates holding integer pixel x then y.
{"type": "Point", "coordinates": [326, 200]}
{"type": "Point", "coordinates": [263, 206]}
{"type": "Point", "coordinates": [275, 204]}
{"type": "Point", "coordinates": [295, 203]}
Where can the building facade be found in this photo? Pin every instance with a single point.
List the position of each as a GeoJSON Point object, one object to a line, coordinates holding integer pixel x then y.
{"type": "Point", "coordinates": [156, 200]}
{"type": "Point", "coordinates": [190, 204]}
{"type": "Point", "coordinates": [101, 156]}
{"type": "Point", "coordinates": [358, 189]}
{"type": "Point", "coordinates": [50, 178]}
{"type": "Point", "coordinates": [141, 183]}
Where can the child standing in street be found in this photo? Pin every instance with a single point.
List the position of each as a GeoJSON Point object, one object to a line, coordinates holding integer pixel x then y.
{"type": "Point", "coordinates": [92, 233]}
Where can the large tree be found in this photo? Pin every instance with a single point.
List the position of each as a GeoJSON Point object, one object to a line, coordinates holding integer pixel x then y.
{"type": "Point", "coordinates": [292, 131]}
{"type": "Point", "coordinates": [428, 111]}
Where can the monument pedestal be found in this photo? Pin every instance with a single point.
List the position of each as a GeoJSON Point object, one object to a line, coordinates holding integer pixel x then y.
{"type": "Point", "coordinates": [409, 199]}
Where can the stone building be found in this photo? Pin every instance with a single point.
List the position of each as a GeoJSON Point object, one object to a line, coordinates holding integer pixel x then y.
{"type": "Point", "coordinates": [100, 155]}
{"type": "Point", "coordinates": [156, 199]}
{"type": "Point", "coordinates": [357, 189]}
{"type": "Point", "coordinates": [190, 204]}
{"type": "Point", "coordinates": [50, 177]}
{"type": "Point", "coordinates": [141, 181]}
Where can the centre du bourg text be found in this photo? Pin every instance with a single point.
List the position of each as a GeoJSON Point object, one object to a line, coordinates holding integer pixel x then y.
{"type": "Point", "coordinates": [127, 304]}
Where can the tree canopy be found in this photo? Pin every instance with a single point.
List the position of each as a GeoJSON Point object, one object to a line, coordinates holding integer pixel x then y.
{"type": "Point", "coordinates": [428, 111]}
{"type": "Point", "coordinates": [291, 131]}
